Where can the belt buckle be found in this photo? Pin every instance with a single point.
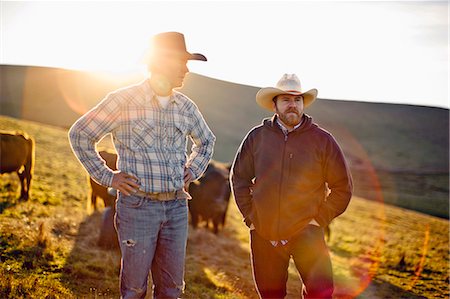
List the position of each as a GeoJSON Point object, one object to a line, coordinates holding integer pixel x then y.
{"type": "Point", "coordinates": [161, 196]}
{"type": "Point", "coordinates": [167, 196]}
{"type": "Point", "coordinates": [155, 195]}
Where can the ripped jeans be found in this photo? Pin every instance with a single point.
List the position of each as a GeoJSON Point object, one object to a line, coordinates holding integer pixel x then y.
{"type": "Point", "coordinates": [152, 236]}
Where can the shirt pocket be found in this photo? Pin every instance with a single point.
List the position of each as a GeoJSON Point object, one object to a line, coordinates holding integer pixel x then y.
{"type": "Point", "coordinates": [143, 134]}
{"type": "Point", "coordinates": [179, 135]}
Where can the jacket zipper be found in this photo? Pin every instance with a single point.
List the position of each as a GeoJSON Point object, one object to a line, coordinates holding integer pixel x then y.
{"type": "Point", "coordinates": [280, 185]}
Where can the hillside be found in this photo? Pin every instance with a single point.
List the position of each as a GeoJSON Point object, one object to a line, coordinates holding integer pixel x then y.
{"type": "Point", "coordinates": [393, 150]}
{"type": "Point", "coordinates": [48, 245]}
{"type": "Point", "coordinates": [397, 153]}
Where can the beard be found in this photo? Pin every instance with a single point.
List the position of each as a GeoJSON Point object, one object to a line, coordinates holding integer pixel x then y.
{"type": "Point", "coordinates": [291, 117]}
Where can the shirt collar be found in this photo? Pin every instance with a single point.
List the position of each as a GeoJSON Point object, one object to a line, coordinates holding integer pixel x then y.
{"type": "Point", "coordinates": [151, 95]}
{"type": "Point", "coordinates": [284, 129]}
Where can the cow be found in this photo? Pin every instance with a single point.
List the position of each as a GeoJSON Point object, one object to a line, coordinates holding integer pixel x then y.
{"type": "Point", "coordinates": [210, 196]}
{"type": "Point", "coordinates": [98, 190]}
{"type": "Point", "coordinates": [108, 237]}
{"type": "Point", "coordinates": [17, 155]}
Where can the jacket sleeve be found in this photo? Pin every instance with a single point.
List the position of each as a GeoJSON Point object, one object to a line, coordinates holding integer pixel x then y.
{"type": "Point", "coordinates": [242, 175]}
{"type": "Point", "coordinates": [203, 144]}
{"type": "Point", "coordinates": [90, 129]}
{"type": "Point", "coordinates": [338, 177]}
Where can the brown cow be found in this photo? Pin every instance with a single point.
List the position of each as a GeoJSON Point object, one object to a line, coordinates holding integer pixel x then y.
{"type": "Point", "coordinates": [108, 237]}
{"type": "Point", "coordinates": [210, 196]}
{"type": "Point", "coordinates": [17, 155]}
{"type": "Point", "coordinates": [98, 190]}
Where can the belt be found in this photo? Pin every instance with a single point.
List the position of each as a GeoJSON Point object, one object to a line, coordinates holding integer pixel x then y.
{"type": "Point", "coordinates": [162, 196]}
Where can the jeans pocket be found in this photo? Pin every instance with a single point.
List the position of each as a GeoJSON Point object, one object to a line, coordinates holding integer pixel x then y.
{"type": "Point", "coordinates": [181, 202]}
{"type": "Point", "coordinates": [133, 202]}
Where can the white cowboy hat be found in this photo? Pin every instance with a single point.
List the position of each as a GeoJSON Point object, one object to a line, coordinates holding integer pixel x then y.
{"type": "Point", "coordinates": [288, 84]}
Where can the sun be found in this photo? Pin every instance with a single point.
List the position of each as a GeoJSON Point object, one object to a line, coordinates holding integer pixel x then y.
{"type": "Point", "coordinates": [97, 42]}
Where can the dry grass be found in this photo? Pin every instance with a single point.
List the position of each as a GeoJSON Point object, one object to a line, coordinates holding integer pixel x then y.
{"type": "Point", "coordinates": [48, 245]}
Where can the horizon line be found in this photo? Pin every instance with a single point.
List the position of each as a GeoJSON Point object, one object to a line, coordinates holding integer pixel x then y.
{"type": "Point", "coordinates": [130, 73]}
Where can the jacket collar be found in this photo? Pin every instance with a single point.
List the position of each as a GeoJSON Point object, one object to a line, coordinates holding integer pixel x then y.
{"type": "Point", "coordinates": [286, 130]}
{"type": "Point", "coordinates": [307, 123]}
{"type": "Point", "coordinates": [275, 119]}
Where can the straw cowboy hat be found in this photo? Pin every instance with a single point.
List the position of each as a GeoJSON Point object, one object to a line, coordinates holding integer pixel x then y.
{"type": "Point", "coordinates": [288, 84]}
{"type": "Point", "coordinates": [172, 43]}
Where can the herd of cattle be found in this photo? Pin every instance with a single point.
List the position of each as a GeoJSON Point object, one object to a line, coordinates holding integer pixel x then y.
{"type": "Point", "coordinates": [210, 194]}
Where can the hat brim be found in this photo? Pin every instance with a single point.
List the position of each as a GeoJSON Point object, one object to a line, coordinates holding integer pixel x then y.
{"type": "Point", "coordinates": [197, 56]}
{"type": "Point", "coordinates": [149, 55]}
{"type": "Point", "coordinates": [265, 96]}
{"type": "Point", "coordinates": [186, 55]}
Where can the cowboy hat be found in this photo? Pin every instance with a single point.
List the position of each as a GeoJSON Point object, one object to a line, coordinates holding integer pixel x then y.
{"type": "Point", "coordinates": [173, 43]}
{"type": "Point", "coordinates": [288, 84]}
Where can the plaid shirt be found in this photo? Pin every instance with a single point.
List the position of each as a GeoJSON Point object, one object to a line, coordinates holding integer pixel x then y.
{"type": "Point", "coordinates": [150, 141]}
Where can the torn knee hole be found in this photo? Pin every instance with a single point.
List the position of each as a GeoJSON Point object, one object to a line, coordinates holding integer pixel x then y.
{"type": "Point", "coordinates": [129, 242]}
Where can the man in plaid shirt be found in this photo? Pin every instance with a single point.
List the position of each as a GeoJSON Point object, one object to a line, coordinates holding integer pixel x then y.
{"type": "Point", "coordinates": [149, 123]}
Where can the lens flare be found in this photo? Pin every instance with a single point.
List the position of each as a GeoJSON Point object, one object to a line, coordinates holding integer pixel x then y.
{"type": "Point", "coordinates": [363, 264]}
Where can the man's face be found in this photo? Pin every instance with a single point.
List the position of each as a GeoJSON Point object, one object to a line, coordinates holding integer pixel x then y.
{"type": "Point", "coordinates": [289, 108]}
{"type": "Point", "coordinates": [170, 67]}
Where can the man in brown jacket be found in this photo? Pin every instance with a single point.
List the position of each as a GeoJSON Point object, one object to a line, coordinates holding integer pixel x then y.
{"type": "Point", "coordinates": [280, 178]}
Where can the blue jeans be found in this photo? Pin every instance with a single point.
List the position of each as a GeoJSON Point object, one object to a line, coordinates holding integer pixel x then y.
{"type": "Point", "coordinates": [152, 236]}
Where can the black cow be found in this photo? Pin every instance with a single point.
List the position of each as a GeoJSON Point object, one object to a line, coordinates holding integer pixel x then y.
{"type": "Point", "coordinates": [210, 196]}
{"type": "Point", "coordinates": [17, 155]}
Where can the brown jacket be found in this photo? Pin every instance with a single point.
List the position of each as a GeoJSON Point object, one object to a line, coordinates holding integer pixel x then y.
{"type": "Point", "coordinates": [279, 181]}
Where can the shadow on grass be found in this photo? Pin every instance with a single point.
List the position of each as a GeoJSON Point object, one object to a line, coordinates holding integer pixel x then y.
{"type": "Point", "coordinates": [6, 203]}
{"type": "Point", "coordinates": [217, 266]}
{"type": "Point", "coordinates": [90, 271]}
{"type": "Point", "coordinates": [385, 290]}
{"type": "Point", "coordinates": [9, 196]}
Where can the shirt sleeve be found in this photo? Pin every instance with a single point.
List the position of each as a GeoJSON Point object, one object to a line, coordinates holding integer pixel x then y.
{"type": "Point", "coordinates": [88, 130]}
{"type": "Point", "coordinates": [203, 141]}
{"type": "Point", "coordinates": [339, 179]}
{"type": "Point", "coordinates": [242, 175]}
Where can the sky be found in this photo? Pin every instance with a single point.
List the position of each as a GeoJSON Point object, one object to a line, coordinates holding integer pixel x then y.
{"type": "Point", "coordinates": [376, 51]}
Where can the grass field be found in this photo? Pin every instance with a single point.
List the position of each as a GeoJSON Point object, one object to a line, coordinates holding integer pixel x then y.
{"type": "Point", "coordinates": [48, 244]}
{"type": "Point", "coordinates": [402, 148]}
{"type": "Point", "coordinates": [406, 146]}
